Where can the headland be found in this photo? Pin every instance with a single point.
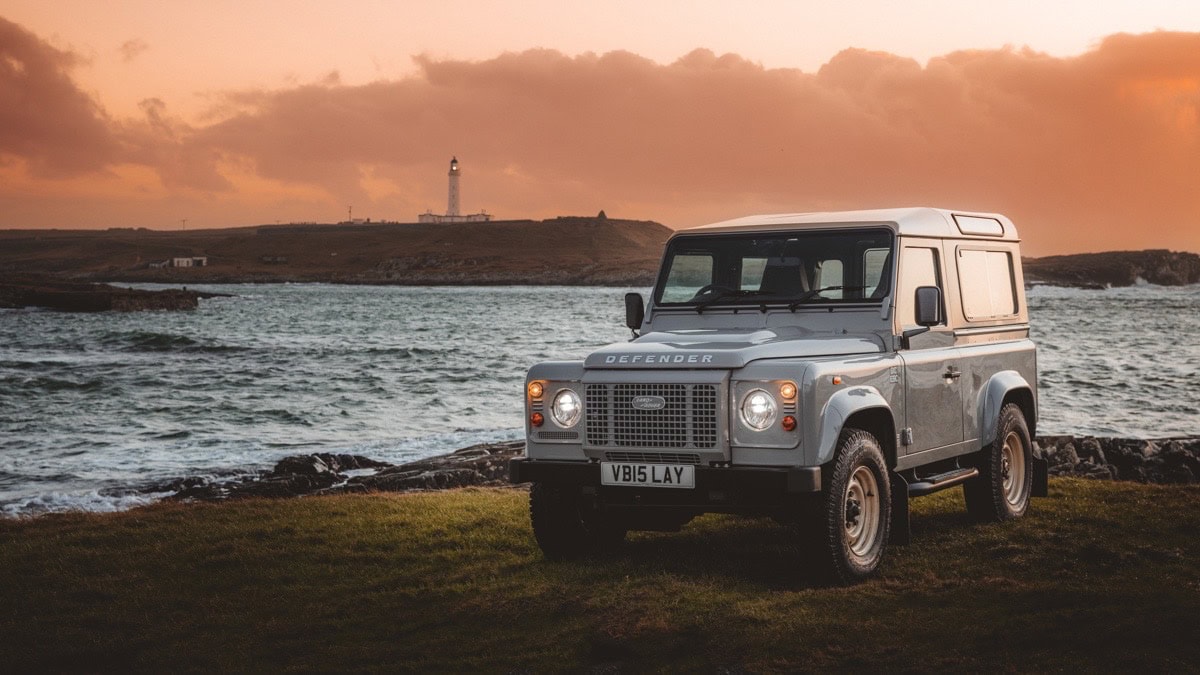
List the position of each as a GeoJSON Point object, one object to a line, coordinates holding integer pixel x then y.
{"type": "Point", "coordinates": [593, 251]}
{"type": "Point", "coordinates": [568, 250]}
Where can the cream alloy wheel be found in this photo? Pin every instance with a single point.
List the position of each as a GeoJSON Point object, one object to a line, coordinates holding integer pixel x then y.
{"type": "Point", "coordinates": [1012, 470]}
{"type": "Point", "coordinates": [862, 512]}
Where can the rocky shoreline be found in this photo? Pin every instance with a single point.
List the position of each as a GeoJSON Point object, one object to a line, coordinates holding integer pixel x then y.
{"type": "Point", "coordinates": [20, 291]}
{"type": "Point", "coordinates": [1162, 461]}
{"type": "Point", "coordinates": [1114, 269]}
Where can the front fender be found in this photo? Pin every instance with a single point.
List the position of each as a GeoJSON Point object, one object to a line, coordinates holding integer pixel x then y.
{"type": "Point", "coordinates": [992, 399]}
{"type": "Point", "coordinates": [841, 407]}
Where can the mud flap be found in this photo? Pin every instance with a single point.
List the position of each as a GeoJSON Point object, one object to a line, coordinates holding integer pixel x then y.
{"type": "Point", "coordinates": [901, 532]}
{"type": "Point", "coordinates": [1041, 477]}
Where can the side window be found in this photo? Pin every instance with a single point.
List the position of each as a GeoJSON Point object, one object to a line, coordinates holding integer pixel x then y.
{"type": "Point", "coordinates": [874, 260]}
{"type": "Point", "coordinates": [986, 278]}
{"type": "Point", "coordinates": [689, 273]}
{"type": "Point", "coordinates": [918, 267]}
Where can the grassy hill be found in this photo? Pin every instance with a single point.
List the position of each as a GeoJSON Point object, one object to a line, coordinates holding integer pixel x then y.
{"type": "Point", "coordinates": [557, 251]}
{"type": "Point", "coordinates": [1101, 576]}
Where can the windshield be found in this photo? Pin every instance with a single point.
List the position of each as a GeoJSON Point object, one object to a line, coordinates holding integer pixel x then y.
{"type": "Point", "coordinates": [776, 268]}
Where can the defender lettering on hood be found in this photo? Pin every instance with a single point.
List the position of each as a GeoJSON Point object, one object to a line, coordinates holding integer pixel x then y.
{"type": "Point", "coordinates": [661, 359]}
{"type": "Point", "coordinates": [666, 350]}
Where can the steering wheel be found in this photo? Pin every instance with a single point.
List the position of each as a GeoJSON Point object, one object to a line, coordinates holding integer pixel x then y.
{"type": "Point", "coordinates": [712, 288]}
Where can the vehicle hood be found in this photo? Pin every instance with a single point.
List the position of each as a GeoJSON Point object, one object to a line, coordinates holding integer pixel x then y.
{"type": "Point", "coordinates": [727, 348]}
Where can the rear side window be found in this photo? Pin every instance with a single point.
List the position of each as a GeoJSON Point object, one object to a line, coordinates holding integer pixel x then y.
{"type": "Point", "coordinates": [986, 279]}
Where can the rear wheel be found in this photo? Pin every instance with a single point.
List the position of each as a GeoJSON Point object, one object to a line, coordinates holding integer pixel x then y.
{"type": "Point", "coordinates": [1002, 489]}
{"type": "Point", "coordinates": [855, 513]}
{"type": "Point", "coordinates": [568, 526]}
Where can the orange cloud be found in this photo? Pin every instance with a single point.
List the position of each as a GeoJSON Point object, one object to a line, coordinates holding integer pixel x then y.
{"type": "Point", "coordinates": [1094, 152]}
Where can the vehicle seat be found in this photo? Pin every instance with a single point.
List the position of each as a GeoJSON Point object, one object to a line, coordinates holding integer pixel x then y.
{"type": "Point", "coordinates": [784, 277]}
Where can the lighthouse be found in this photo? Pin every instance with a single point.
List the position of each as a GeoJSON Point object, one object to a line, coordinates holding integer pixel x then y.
{"type": "Point", "coordinates": [452, 202]}
{"type": "Point", "coordinates": [453, 205]}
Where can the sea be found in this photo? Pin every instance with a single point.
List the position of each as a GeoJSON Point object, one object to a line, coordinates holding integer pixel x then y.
{"type": "Point", "coordinates": [95, 407]}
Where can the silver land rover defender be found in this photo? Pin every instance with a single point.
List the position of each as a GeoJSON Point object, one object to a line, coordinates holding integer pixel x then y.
{"type": "Point", "coordinates": [818, 368]}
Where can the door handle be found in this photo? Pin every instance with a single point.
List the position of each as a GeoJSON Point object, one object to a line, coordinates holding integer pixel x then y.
{"type": "Point", "coordinates": [952, 373]}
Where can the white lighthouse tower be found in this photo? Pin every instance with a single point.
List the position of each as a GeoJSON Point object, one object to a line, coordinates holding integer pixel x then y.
{"type": "Point", "coordinates": [453, 209]}
{"type": "Point", "coordinates": [452, 203]}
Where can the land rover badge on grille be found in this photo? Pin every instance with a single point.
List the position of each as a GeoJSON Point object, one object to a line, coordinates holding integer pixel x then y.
{"type": "Point", "coordinates": [648, 403]}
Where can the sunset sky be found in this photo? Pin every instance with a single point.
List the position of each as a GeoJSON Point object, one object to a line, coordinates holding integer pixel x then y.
{"type": "Point", "coordinates": [1080, 120]}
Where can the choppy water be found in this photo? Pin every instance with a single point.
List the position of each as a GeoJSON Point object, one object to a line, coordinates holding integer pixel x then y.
{"type": "Point", "coordinates": [91, 404]}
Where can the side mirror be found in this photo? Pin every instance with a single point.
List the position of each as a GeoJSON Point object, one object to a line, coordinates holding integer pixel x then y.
{"type": "Point", "coordinates": [928, 310]}
{"type": "Point", "coordinates": [928, 306]}
{"type": "Point", "coordinates": [635, 310]}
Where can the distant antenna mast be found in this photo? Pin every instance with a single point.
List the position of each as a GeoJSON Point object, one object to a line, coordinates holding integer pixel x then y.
{"type": "Point", "coordinates": [350, 214]}
{"type": "Point", "coordinates": [183, 222]}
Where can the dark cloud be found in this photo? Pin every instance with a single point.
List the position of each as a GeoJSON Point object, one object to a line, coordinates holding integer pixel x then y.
{"type": "Point", "coordinates": [44, 117]}
{"type": "Point", "coordinates": [131, 49]}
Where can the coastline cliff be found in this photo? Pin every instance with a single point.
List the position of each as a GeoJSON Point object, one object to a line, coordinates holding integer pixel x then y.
{"type": "Point", "coordinates": [593, 251]}
{"type": "Point", "coordinates": [1114, 268]}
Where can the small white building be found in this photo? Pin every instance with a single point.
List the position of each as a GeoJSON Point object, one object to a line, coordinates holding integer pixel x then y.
{"type": "Point", "coordinates": [452, 204]}
{"type": "Point", "coordinates": [195, 261]}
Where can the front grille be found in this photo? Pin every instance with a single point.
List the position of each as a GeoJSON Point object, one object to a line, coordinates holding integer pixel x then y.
{"type": "Point", "coordinates": [688, 418]}
{"type": "Point", "coordinates": [654, 457]}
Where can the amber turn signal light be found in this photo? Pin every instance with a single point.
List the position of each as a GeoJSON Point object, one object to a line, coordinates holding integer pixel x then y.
{"type": "Point", "coordinates": [789, 423]}
{"type": "Point", "coordinates": [787, 390]}
{"type": "Point", "coordinates": [535, 390]}
{"type": "Point", "coordinates": [536, 419]}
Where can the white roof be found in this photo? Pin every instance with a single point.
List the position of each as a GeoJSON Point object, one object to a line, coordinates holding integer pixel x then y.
{"type": "Point", "coordinates": [914, 222]}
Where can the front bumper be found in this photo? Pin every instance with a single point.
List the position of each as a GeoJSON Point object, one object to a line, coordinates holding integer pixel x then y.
{"type": "Point", "coordinates": [714, 485]}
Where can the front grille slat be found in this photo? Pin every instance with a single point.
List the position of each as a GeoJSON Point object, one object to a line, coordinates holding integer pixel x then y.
{"type": "Point", "coordinates": [654, 457]}
{"type": "Point", "coordinates": [688, 418]}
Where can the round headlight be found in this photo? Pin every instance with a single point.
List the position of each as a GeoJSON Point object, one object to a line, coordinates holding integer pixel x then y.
{"type": "Point", "coordinates": [566, 408]}
{"type": "Point", "coordinates": [758, 409]}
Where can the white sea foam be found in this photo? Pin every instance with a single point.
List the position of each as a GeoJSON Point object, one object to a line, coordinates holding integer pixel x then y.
{"type": "Point", "coordinates": [83, 500]}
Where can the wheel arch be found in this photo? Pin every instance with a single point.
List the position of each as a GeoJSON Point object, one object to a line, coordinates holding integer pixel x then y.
{"type": "Point", "coordinates": [1004, 387]}
{"type": "Point", "coordinates": [860, 408]}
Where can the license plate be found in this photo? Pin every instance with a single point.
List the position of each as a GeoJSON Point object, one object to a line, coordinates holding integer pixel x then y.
{"type": "Point", "coordinates": [648, 475]}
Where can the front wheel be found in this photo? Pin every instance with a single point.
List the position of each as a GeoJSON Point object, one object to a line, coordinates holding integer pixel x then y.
{"type": "Point", "coordinates": [566, 525]}
{"type": "Point", "coordinates": [856, 511]}
{"type": "Point", "coordinates": [1002, 489]}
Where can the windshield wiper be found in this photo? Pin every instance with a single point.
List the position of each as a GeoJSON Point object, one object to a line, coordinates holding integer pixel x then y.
{"type": "Point", "coordinates": [701, 306]}
{"type": "Point", "coordinates": [809, 295]}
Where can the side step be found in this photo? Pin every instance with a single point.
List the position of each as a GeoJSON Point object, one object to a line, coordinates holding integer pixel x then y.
{"type": "Point", "coordinates": [901, 532]}
{"type": "Point", "coordinates": [941, 481]}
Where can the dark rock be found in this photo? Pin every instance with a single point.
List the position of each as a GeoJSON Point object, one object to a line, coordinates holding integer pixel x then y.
{"type": "Point", "coordinates": [1090, 448]}
{"type": "Point", "coordinates": [1066, 455]}
{"type": "Point", "coordinates": [1179, 474]}
{"type": "Point", "coordinates": [303, 465]}
{"type": "Point", "coordinates": [321, 473]}
{"type": "Point", "coordinates": [285, 486]}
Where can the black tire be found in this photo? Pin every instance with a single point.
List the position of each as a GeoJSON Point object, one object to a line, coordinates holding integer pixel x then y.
{"type": "Point", "coordinates": [567, 526]}
{"type": "Point", "coordinates": [854, 516]}
{"type": "Point", "coordinates": [1002, 489]}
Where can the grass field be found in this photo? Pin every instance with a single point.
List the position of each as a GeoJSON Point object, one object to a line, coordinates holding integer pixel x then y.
{"type": "Point", "coordinates": [1101, 576]}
